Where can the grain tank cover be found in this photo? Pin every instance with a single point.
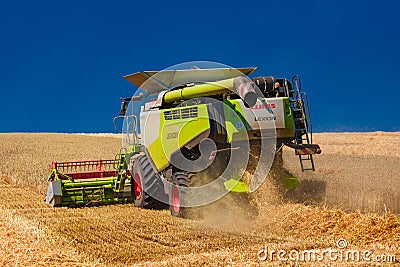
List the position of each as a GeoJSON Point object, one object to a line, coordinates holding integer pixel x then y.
{"type": "Point", "coordinates": [167, 79]}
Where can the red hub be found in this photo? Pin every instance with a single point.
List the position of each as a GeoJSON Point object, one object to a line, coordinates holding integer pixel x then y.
{"type": "Point", "coordinates": [137, 186]}
{"type": "Point", "coordinates": [176, 201]}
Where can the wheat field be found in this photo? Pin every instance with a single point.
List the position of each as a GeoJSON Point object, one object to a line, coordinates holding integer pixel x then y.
{"type": "Point", "coordinates": [356, 172]}
{"type": "Point", "coordinates": [352, 195]}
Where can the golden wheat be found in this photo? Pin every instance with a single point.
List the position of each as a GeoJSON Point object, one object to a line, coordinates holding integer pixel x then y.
{"type": "Point", "coordinates": [122, 235]}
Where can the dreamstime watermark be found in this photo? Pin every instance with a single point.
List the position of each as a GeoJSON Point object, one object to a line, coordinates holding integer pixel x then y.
{"type": "Point", "coordinates": [339, 254]}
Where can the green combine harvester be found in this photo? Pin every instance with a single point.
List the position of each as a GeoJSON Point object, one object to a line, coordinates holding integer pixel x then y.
{"type": "Point", "coordinates": [189, 136]}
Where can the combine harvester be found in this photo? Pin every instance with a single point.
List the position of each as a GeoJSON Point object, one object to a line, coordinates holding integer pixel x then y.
{"type": "Point", "coordinates": [182, 124]}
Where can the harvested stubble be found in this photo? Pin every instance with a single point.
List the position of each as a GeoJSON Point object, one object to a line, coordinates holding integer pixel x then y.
{"type": "Point", "coordinates": [124, 235]}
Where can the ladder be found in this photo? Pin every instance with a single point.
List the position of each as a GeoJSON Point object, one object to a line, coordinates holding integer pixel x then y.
{"type": "Point", "coordinates": [302, 124]}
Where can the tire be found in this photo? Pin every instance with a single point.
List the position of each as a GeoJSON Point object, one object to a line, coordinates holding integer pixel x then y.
{"type": "Point", "coordinates": [181, 179]}
{"type": "Point", "coordinates": [148, 188]}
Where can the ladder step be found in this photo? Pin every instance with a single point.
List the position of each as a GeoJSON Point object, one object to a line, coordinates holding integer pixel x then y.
{"type": "Point", "coordinates": [297, 114]}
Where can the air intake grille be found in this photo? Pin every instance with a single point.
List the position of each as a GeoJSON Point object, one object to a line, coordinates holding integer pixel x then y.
{"type": "Point", "coordinates": [184, 113]}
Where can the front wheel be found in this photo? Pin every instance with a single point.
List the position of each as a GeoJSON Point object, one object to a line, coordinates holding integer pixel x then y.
{"type": "Point", "coordinates": [148, 187]}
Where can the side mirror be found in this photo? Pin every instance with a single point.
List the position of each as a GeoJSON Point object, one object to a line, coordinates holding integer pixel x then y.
{"type": "Point", "coordinates": [124, 107]}
{"type": "Point", "coordinates": [126, 100]}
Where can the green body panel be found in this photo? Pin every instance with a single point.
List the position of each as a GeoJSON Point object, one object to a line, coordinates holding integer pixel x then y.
{"type": "Point", "coordinates": [88, 183]}
{"type": "Point", "coordinates": [234, 122]}
{"type": "Point", "coordinates": [233, 185]}
{"type": "Point", "coordinates": [175, 133]}
{"type": "Point", "coordinates": [83, 192]}
{"type": "Point", "coordinates": [234, 104]}
{"type": "Point", "coordinates": [289, 130]}
{"type": "Point", "coordinates": [290, 181]}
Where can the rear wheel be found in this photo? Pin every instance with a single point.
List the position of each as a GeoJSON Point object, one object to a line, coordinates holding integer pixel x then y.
{"type": "Point", "coordinates": [148, 187]}
{"type": "Point", "coordinates": [178, 196]}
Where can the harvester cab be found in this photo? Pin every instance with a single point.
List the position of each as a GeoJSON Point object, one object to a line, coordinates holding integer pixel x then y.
{"type": "Point", "coordinates": [188, 135]}
{"type": "Point", "coordinates": [131, 138]}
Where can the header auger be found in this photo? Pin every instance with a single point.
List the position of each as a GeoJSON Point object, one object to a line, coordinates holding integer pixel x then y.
{"type": "Point", "coordinates": [187, 134]}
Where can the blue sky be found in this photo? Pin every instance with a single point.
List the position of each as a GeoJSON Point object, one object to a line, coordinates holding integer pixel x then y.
{"type": "Point", "coordinates": [61, 62]}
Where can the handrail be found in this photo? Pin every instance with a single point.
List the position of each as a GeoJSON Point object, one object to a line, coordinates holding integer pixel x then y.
{"type": "Point", "coordinates": [115, 122]}
{"type": "Point", "coordinates": [309, 122]}
{"type": "Point", "coordinates": [296, 80]}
